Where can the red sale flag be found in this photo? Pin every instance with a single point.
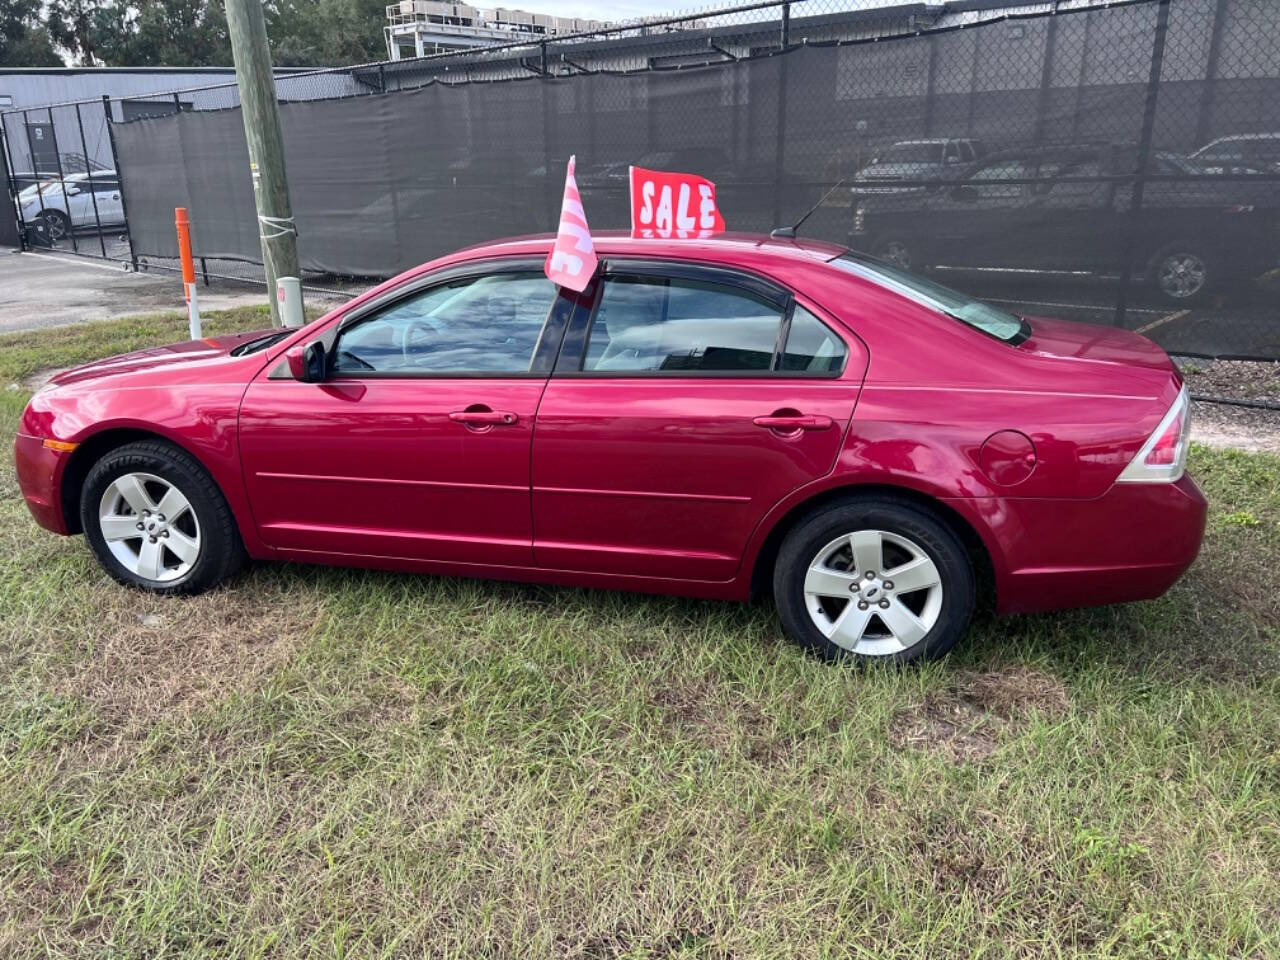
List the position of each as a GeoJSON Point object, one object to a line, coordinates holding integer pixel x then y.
{"type": "Point", "coordinates": [572, 260]}
{"type": "Point", "coordinates": [673, 205]}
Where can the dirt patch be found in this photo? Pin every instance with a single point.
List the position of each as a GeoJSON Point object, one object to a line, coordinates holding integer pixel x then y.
{"type": "Point", "coordinates": [967, 720]}
{"type": "Point", "coordinates": [155, 658]}
{"type": "Point", "coordinates": [1226, 427]}
{"type": "Point", "coordinates": [700, 710]}
{"type": "Point", "coordinates": [1233, 379]}
{"type": "Point", "coordinates": [42, 376]}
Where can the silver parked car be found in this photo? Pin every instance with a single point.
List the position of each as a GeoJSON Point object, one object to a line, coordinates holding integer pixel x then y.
{"type": "Point", "coordinates": [89, 200]}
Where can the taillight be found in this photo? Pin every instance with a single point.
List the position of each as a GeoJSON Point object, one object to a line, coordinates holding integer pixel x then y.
{"type": "Point", "coordinates": [1163, 458]}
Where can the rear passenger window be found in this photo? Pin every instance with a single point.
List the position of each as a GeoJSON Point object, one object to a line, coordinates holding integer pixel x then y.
{"type": "Point", "coordinates": [656, 325]}
{"type": "Point", "coordinates": [811, 346]}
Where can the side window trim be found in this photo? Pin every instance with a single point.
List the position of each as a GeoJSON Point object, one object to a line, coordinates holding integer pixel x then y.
{"type": "Point", "coordinates": [544, 353]}
{"type": "Point", "coordinates": [784, 331]}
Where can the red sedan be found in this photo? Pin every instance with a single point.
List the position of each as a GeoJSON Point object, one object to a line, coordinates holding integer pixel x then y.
{"type": "Point", "coordinates": [709, 417]}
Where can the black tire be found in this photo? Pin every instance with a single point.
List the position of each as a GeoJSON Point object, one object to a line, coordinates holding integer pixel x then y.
{"type": "Point", "coordinates": [57, 225]}
{"type": "Point", "coordinates": [221, 552]}
{"type": "Point", "coordinates": [1182, 274]}
{"type": "Point", "coordinates": [902, 519]}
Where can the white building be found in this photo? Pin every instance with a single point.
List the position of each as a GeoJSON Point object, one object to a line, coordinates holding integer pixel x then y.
{"type": "Point", "coordinates": [416, 28]}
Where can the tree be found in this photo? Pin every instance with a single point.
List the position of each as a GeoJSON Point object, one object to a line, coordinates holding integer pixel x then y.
{"type": "Point", "coordinates": [24, 42]}
{"type": "Point", "coordinates": [142, 33]}
{"type": "Point", "coordinates": [183, 33]}
{"type": "Point", "coordinates": [322, 33]}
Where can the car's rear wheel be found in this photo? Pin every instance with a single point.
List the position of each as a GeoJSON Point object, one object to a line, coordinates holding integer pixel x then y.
{"type": "Point", "coordinates": [56, 224]}
{"type": "Point", "coordinates": [876, 579]}
{"type": "Point", "coordinates": [1182, 275]}
{"type": "Point", "coordinates": [156, 520]}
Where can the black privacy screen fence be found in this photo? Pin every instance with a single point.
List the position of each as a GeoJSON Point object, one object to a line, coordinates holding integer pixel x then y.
{"type": "Point", "coordinates": [1114, 164]}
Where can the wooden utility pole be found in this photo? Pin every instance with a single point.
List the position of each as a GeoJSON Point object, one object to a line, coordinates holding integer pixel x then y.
{"type": "Point", "coordinates": [256, 80]}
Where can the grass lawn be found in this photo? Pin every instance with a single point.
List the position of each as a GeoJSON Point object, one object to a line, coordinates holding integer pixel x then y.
{"type": "Point", "coordinates": [335, 763]}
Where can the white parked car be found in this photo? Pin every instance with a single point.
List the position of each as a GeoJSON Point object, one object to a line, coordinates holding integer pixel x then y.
{"type": "Point", "coordinates": [89, 200]}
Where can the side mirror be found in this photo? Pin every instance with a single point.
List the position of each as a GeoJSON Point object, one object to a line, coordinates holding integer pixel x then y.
{"type": "Point", "coordinates": [968, 194]}
{"type": "Point", "coordinates": [72, 191]}
{"type": "Point", "coordinates": [306, 363]}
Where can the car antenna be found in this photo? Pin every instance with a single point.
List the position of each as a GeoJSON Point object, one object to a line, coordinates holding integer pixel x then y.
{"type": "Point", "coordinates": [789, 233]}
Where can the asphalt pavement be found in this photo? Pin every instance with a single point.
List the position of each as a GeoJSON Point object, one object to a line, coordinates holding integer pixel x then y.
{"type": "Point", "coordinates": [50, 289]}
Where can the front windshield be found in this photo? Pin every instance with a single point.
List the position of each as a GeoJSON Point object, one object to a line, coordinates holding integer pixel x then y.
{"type": "Point", "coordinates": [981, 316]}
{"type": "Point", "coordinates": [911, 153]}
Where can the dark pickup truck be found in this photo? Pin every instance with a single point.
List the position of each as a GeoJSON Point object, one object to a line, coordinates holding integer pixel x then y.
{"type": "Point", "coordinates": [1067, 209]}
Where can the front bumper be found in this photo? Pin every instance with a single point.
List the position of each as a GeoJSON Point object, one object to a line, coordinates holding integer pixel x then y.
{"type": "Point", "coordinates": [1132, 543]}
{"type": "Point", "coordinates": [40, 479]}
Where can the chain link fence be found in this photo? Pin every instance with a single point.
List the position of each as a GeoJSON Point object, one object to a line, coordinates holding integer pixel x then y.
{"type": "Point", "coordinates": [1117, 163]}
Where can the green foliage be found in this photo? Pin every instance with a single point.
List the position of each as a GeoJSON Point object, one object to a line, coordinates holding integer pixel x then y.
{"type": "Point", "coordinates": [24, 41]}
{"type": "Point", "coordinates": [1241, 518]}
{"type": "Point", "coordinates": [317, 33]}
{"type": "Point", "coordinates": [190, 33]}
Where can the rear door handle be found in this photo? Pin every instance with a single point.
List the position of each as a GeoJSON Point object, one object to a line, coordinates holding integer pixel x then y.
{"type": "Point", "coordinates": [484, 418]}
{"type": "Point", "coordinates": [800, 421]}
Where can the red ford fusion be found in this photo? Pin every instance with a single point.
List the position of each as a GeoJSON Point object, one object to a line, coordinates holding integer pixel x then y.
{"type": "Point", "coordinates": [715, 418]}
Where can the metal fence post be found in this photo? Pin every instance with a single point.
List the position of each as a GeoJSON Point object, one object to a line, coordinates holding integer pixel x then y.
{"type": "Point", "coordinates": [115, 163]}
{"type": "Point", "coordinates": [62, 182]}
{"type": "Point", "coordinates": [1142, 162]}
{"type": "Point", "coordinates": [1208, 96]}
{"type": "Point", "coordinates": [548, 91]}
{"type": "Point", "coordinates": [930, 85]}
{"type": "Point", "coordinates": [1046, 72]}
{"type": "Point", "coordinates": [88, 169]}
{"type": "Point", "coordinates": [35, 174]}
{"type": "Point", "coordinates": [11, 182]}
{"type": "Point", "coordinates": [780, 138]}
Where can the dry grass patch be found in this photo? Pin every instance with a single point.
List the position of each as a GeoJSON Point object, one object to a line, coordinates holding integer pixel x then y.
{"type": "Point", "coordinates": [144, 658]}
{"type": "Point", "coordinates": [968, 719]}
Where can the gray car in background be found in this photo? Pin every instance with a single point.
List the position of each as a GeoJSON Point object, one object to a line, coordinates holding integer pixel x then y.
{"type": "Point", "coordinates": [912, 165]}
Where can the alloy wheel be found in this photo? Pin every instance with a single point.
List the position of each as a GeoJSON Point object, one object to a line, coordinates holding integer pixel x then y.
{"type": "Point", "coordinates": [897, 253]}
{"type": "Point", "coordinates": [149, 526]}
{"type": "Point", "coordinates": [873, 593]}
{"type": "Point", "coordinates": [1181, 275]}
{"type": "Point", "coordinates": [55, 226]}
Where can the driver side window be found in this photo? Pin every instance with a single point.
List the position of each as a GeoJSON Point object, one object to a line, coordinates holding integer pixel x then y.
{"type": "Point", "coordinates": [488, 324]}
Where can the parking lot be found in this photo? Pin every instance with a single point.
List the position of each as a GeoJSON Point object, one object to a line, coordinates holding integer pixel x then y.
{"type": "Point", "coordinates": [48, 289]}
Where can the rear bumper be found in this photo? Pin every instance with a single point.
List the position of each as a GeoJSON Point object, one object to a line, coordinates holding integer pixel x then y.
{"type": "Point", "coordinates": [1130, 544]}
{"type": "Point", "coordinates": [40, 479]}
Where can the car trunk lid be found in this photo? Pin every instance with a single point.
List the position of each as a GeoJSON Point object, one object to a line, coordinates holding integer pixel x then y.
{"type": "Point", "coordinates": [1095, 344]}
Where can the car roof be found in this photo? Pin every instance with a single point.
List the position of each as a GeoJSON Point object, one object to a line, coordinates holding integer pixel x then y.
{"type": "Point", "coordinates": [619, 243]}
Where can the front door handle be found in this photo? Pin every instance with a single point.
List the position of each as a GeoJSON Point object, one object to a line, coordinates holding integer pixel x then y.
{"type": "Point", "coordinates": [791, 422]}
{"type": "Point", "coordinates": [484, 418]}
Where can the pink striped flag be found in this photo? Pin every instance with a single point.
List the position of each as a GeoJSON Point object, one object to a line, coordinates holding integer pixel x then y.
{"type": "Point", "coordinates": [572, 260]}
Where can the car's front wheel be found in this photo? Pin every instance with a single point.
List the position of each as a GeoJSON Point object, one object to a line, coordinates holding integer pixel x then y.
{"type": "Point", "coordinates": [875, 578]}
{"type": "Point", "coordinates": [156, 520]}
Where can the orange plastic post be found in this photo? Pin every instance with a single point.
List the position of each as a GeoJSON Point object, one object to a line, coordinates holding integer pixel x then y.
{"type": "Point", "coordinates": [188, 269]}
